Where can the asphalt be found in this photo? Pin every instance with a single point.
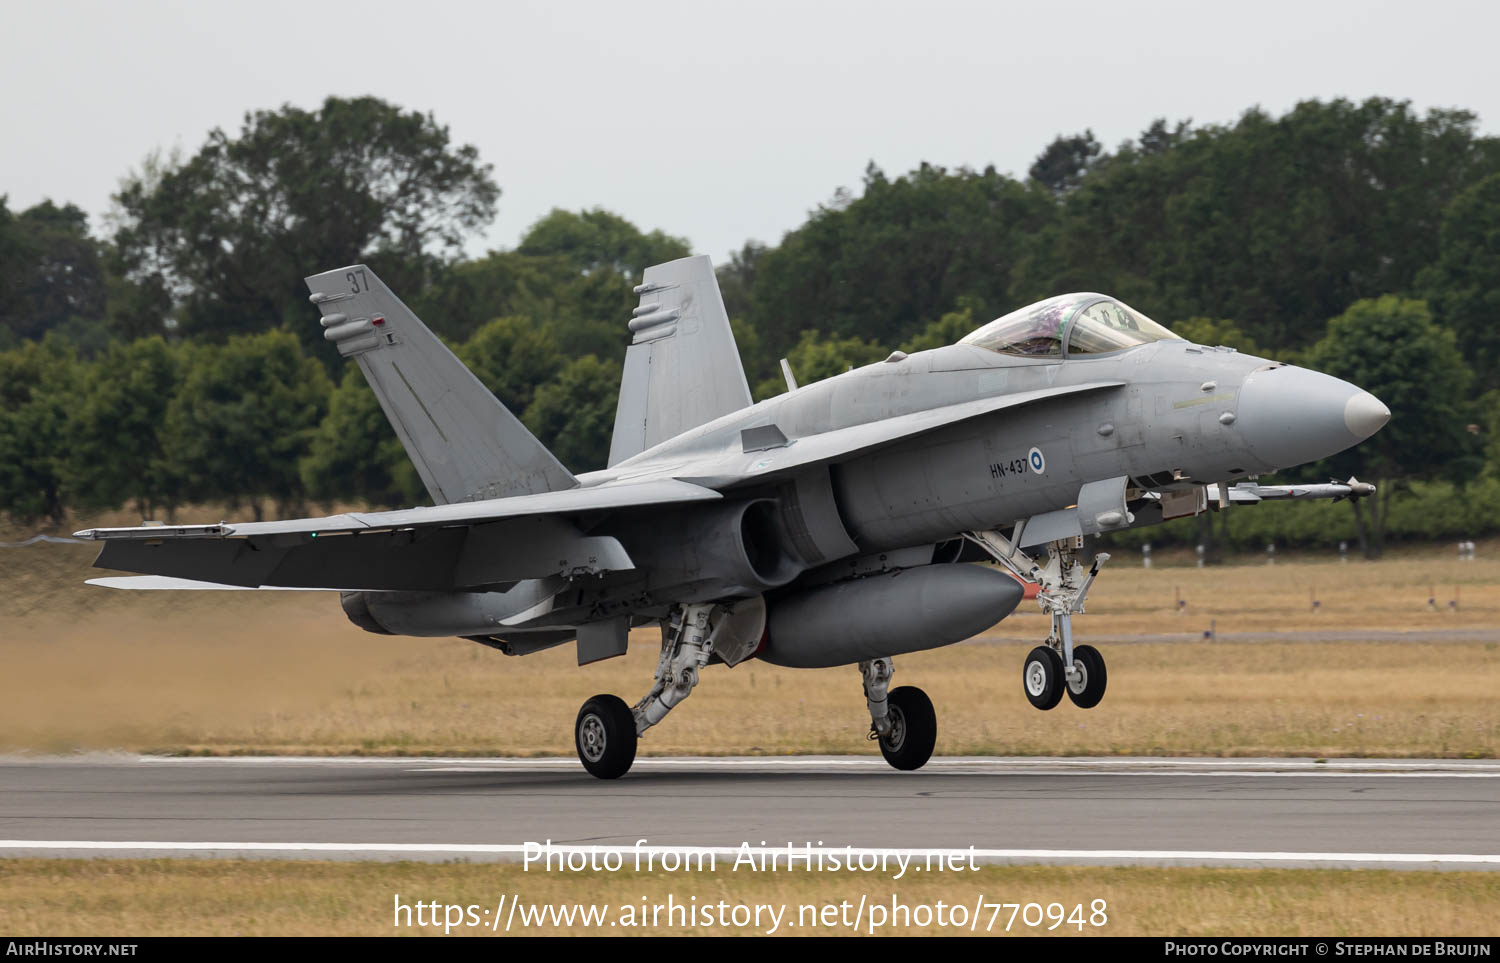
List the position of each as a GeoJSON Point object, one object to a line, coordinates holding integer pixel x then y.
{"type": "Point", "coordinates": [1399, 814]}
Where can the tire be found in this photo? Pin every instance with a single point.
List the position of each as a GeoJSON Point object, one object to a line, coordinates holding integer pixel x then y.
{"type": "Point", "coordinates": [1086, 695]}
{"type": "Point", "coordinates": [913, 729]}
{"type": "Point", "coordinates": [604, 736]}
{"type": "Point", "coordinates": [1042, 677]}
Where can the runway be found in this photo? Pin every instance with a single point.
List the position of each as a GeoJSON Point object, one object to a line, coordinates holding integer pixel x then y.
{"type": "Point", "coordinates": [1347, 813]}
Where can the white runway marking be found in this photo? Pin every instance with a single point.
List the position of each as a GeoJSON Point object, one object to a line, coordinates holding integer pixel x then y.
{"type": "Point", "coordinates": [1020, 770]}
{"type": "Point", "coordinates": [729, 853]}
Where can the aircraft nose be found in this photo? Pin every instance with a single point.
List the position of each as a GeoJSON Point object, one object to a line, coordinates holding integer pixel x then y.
{"type": "Point", "coordinates": [1364, 414]}
{"type": "Point", "coordinates": [1290, 416]}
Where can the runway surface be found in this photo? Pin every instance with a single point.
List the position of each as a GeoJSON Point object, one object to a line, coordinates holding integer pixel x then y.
{"type": "Point", "coordinates": [1401, 814]}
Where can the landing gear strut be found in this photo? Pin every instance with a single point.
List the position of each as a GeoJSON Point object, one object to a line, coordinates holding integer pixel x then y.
{"type": "Point", "coordinates": [902, 720]}
{"type": "Point", "coordinates": [607, 731]}
{"type": "Point", "coordinates": [1058, 666]}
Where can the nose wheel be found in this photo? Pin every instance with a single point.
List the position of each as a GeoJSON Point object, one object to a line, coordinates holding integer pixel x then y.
{"type": "Point", "coordinates": [1087, 681]}
{"type": "Point", "coordinates": [1042, 677]}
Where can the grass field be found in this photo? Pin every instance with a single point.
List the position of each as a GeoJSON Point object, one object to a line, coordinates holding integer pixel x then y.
{"type": "Point", "coordinates": [252, 897]}
{"type": "Point", "coordinates": [271, 672]}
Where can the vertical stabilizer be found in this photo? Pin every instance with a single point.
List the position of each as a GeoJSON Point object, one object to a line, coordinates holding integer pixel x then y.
{"type": "Point", "coordinates": [464, 443]}
{"type": "Point", "coordinates": [682, 368]}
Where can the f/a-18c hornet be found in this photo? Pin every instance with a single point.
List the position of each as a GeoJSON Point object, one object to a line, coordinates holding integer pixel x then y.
{"type": "Point", "coordinates": [831, 525]}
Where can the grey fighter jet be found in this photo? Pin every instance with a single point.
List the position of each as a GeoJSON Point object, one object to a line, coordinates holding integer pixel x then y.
{"type": "Point", "coordinates": [832, 525]}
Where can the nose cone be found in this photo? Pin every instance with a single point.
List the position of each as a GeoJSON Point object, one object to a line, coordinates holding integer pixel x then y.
{"type": "Point", "coordinates": [1364, 415]}
{"type": "Point", "coordinates": [1290, 416]}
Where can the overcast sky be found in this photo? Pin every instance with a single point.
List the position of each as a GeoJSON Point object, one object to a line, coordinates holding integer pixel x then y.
{"type": "Point", "coordinates": [718, 121]}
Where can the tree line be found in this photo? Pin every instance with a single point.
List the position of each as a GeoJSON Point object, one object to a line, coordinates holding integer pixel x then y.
{"type": "Point", "coordinates": [168, 355]}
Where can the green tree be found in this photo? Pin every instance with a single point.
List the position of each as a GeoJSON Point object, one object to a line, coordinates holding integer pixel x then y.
{"type": "Point", "coordinates": [574, 416]}
{"type": "Point", "coordinates": [116, 449]}
{"type": "Point", "coordinates": [815, 358]}
{"type": "Point", "coordinates": [244, 419]}
{"type": "Point", "coordinates": [512, 356]}
{"type": "Point", "coordinates": [1217, 331]}
{"type": "Point", "coordinates": [754, 358]}
{"type": "Point", "coordinates": [1463, 285]}
{"type": "Point", "coordinates": [234, 229]}
{"type": "Point", "coordinates": [597, 239]}
{"type": "Point", "coordinates": [467, 294]}
{"type": "Point", "coordinates": [1158, 137]}
{"type": "Point", "coordinates": [37, 384]}
{"type": "Point", "coordinates": [51, 277]}
{"type": "Point", "coordinates": [737, 278]}
{"type": "Point", "coordinates": [951, 328]}
{"type": "Point", "coordinates": [881, 266]}
{"type": "Point", "coordinates": [1279, 222]}
{"type": "Point", "coordinates": [1061, 166]}
{"type": "Point", "coordinates": [354, 454]}
{"type": "Point", "coordinates": [573, 274]}
{"type": "Point", "coordinates": [1390, 347]}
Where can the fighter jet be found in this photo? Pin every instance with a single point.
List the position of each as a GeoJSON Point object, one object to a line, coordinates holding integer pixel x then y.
{"type": "Point", "coordinates": [835, 524]}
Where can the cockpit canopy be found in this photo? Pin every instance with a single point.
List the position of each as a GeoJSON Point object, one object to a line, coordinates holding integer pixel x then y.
{"type": "Point", "coordinates": [1068, 325]}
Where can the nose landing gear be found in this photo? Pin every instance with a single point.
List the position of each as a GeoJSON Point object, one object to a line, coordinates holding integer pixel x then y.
{"type": "Point", "coordinates": [1057, 666]}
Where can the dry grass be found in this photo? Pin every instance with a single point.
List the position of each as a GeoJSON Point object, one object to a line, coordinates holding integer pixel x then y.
{"type": "Point", "coordinates": [1391, 594]}
{"type": "Point", "coordinates": [213, 897]}
{"type": "Point", "coordinates": [285, 672]}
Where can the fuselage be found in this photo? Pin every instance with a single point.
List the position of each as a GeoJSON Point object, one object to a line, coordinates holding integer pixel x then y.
{"type": "Point", "coordinates": [1166, 415]}
{"type": "Point", "coordinates": [1185, 414]}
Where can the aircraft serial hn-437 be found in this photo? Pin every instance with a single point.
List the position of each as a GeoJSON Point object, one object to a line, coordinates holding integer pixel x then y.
{"type": "Point", "coordinates": [831, 525]}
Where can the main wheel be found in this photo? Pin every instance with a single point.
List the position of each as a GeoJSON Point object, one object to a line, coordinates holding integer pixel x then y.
{"type": "Point", "coordinates": [1089, 689]}
{"type": "Point", "coordinates": [605, 736]}
{"type": "Point", "coordinates": [1042, 677]}
{"type": "Point", "coordinates": [913, 729]}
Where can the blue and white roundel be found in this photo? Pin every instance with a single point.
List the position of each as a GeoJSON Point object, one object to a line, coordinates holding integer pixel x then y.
{"type": "Point", "coordinates": [1036, 461]}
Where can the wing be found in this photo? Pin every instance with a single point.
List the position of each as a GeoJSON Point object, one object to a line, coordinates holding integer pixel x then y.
{"type": "Point", "coordinates": [442, 548]}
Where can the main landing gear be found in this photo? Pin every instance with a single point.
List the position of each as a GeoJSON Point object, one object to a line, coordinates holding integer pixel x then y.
{"type": "Point", "coordinates": [1057, 666]}
{"type": "Point", "coordinates": [607, 731]}
{"type": "Point", "coordinates": [902, 720]}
